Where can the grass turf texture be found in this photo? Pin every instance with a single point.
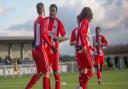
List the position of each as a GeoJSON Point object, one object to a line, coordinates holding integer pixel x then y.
{"type": "Point", "coordinates": [114, 79]}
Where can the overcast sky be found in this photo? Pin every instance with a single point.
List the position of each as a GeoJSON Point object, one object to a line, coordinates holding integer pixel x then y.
{"type": "Point", "coordinates": [17, 16]}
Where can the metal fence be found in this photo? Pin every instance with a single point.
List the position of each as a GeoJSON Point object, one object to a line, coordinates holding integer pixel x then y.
{"type": "Point", "coordinates": [8, 70]}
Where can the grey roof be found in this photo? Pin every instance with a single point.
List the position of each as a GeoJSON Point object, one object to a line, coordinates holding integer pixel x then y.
{"type": "Point", "coordinates": [17, 39]}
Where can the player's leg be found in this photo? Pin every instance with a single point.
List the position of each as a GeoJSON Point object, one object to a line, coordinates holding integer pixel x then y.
{"type": "Point", "coordinates": [86, 77]}
{"type": "Point", "coordinates": [13, 73]}
{"type": "Point", "coordinates": [49, 82]}
{"type": "Point", "coordinates": [16, 72]}
{"type": "Point", "coordinates": [57, 79]}
{"type": "Point", "coordinates": [33, 80]}
{"type": "Point", "coordinates": [99, 73]}
{"type": "Point", "coordinates": [45, 69]}
{"type": "Point", "coordinates": [88, 64]}
{"type": "Point", "coordinates": [98, 67]}
{"type": "Point", "coordinates": [49, 60]}
{"type": "Point", "coordinates": [55, 67]}
{"type": "Point", "coordinates": [101, 65]}
{"type": "Point", "coordinates": [81, 67]}
{"type": "Point", "coordinates": [78, 61]}
{"type": "Point", "coordinates": [46, 80]}
{"type": "Point", "coordinates": [19, 71]}
{"type": "Point", "coordinates": [81, 81]}
{"type": "Point", "coordinates": [36, 76]}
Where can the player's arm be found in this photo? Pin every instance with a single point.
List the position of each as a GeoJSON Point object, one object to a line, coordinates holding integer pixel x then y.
{"type": "Point", "coordinates": [83, 41]}
{"type": "Point", "coordinates": [45, 36]}
{"type": "Point", "coordinates": [104, 41]}
{"type": "Point", "coordinates": [73, 39]}
{"type": "Point", "coordinates": [72, 43]}
{"type": "Point", "coordinates": [46, 39]}
{"type": "Point", "coordinates": [62, 32]}
{"type": "Point", "coordinates": [84, 29]}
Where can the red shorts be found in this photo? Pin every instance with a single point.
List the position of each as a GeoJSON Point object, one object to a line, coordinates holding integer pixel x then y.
{"type": "Point", "coordinates": [53, 59]}
{"type": "Point", "coordinates": [84, 60]}
{"type": "Point", "coordinates": [99, 60]}
{"type": "Point", "coordinates": [41, 60]}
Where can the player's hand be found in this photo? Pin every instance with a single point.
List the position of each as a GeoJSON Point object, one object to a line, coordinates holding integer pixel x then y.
{"type": "Point", "coordinates": [63, 38]}
{"type": "Point", "coordinates": [85, 49]}
{"type": "Point", "coordinates": [56, 39]}
{"type": "Point", "coordinates": [92, 48]}
{"type": "Point", "coordinates": [33, 45]}
{"type": "Point", "coordinates": [99, 44]}
{"type": "Point", "coordinates": [54, 49]}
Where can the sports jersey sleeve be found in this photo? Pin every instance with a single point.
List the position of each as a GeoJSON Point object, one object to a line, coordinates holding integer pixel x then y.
{"type": "Point", "coordinates": [83, 32]}
{"type": "Point", "coordinates": [61, 29]}
{"type": "Point", "coordinates": [73, 36]}
{"type": "Point", "coordinates": [104, 41]}
{"type": "Point", "coordinates": [37, 35]}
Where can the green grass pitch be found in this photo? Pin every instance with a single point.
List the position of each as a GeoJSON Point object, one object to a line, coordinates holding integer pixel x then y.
{"type": "Point", "coordinates": [114, 79]}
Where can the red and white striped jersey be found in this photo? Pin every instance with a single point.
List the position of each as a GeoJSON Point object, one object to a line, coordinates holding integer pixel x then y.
{"type": "Point", "coordinates": [83, 37]}
{"type": "Point", "coordinates": [41, 33]}
{"type": "Point", "coordinates": [98, 43]}
{"type": "Point", "coordinates": [55, 29]}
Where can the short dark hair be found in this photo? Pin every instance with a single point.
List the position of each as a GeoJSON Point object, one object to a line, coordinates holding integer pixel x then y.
{"type": "Point", "coordinates": [86, 13]}
{"type": "Point", "coordinates": [53, 6]}
{"type": "Point", "coordinates": [78, 18]}
{"type": "Point", "coordinates": [39, 6]}
{"type": "Point", "coordinates": [98, 27]}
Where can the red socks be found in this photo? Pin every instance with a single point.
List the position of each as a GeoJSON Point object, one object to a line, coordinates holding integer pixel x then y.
{"type": "Point", "coordinates": [57, 81]}
{"type": "Point", "coordinates": [35, 78]}
{"type": "Point", "coordinates": [49, 84]}
{"type": "Point", "coordinates": [46, 83]}
{"type": "Point", "coordinates": [98, 74]}
{"type": "Point", "coordinates": [84, 79]}
{"type": "Point", "coordinates": [81, 81]}
{"type": "Point", "coordinates": [89, 75]}
{"type": "Point", "coordinates": [33, 81]}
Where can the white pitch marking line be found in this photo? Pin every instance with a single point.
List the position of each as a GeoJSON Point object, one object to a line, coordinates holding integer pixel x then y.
{"type": "Point", "coordinates": [62, 83]}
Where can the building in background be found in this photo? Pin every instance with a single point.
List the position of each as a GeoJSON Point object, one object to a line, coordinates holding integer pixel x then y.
{"type": "Point", "coordinates": [16, 47]}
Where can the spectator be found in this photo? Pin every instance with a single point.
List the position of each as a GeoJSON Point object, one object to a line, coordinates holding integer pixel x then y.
{"type": "Point", "coordinates": [0, 60]}
{"type": "Point", "coordinates": [18, 61]}
{"type": "Point", "coordinates": [16, 68]}
{"type": "Point", "coordinates": [109, 63]}
{"type": "Point", "coordinates": [117, 64]}
{"type": "Point", "coordinates": [126, 61]}
{"type": "Point", "coordinates": [8, 60]}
